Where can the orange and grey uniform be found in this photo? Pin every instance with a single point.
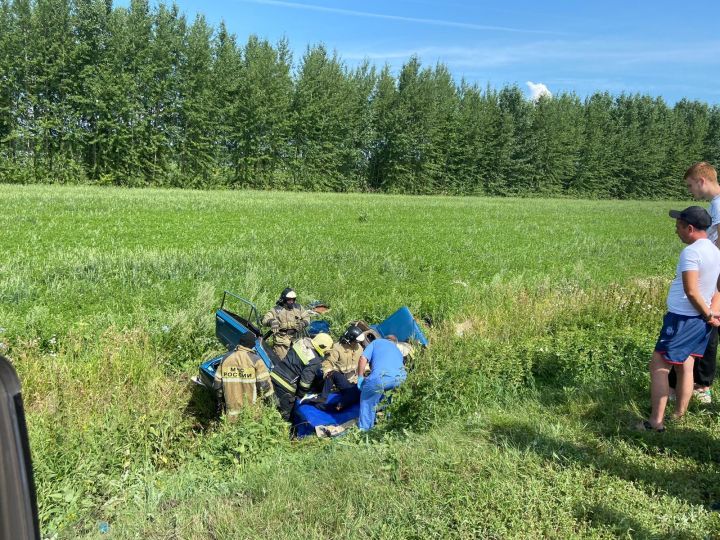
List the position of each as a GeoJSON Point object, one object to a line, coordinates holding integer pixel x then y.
{"type": "Point", "coordinates": [294, 375]}
{"type": "Point", "coordinates": [343, 358]}
{"type": "Point", "coordinates": [242, 377]}
{"type": "Point", "coordinates": [291, 323]}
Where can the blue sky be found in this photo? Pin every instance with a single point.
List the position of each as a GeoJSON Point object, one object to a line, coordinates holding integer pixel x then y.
{"type": "Point", "coordinates": [658, 48]}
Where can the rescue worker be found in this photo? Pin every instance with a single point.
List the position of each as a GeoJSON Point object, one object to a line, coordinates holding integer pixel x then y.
{"type": "Point", "coordinates": [340, 368]}
{"type": "Point", "coordinates": [242, 377]}
{"type": "Point", "coordinates": [294, 375]}
{"type": "Point", "coordinates": [287, 320]}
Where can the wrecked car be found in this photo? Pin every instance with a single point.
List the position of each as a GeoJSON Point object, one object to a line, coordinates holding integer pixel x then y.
{"type": "Point", "coordinates": [244, 317]}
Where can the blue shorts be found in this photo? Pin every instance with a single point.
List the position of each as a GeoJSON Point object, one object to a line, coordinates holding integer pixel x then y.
{"type": "Point", "coordinates": [682, 336]}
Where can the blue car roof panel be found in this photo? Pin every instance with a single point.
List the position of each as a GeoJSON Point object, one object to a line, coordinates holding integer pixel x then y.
{"type": "Point", "coordinates": [403, 326]}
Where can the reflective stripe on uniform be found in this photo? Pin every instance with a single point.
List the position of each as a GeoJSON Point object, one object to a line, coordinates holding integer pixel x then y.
{"type": "Point", "coordinates": [238, 379]}
{"type": "Point", "coordinates": [299, 349]}
{"type": "Point", "coordinates": [282, 382]}
{"type": "Point", "coordinates": [304, 384]}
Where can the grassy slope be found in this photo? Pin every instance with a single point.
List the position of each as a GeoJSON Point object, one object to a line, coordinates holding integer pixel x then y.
{"type": "Point", "coordinates": [517, 429]}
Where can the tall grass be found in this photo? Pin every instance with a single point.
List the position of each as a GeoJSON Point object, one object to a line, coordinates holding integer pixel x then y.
{"type": "Point", "coordinates": [516, 428]}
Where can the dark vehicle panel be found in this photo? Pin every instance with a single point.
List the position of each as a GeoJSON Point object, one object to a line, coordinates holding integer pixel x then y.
{"type": "Point", "coordinates": [18, 505]}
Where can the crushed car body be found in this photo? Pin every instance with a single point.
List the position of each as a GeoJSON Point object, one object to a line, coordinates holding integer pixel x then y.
{"type": "Point", "coordinates": [307, 418]}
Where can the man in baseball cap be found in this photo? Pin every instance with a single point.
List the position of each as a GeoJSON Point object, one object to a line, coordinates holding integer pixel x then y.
{"type": "Point", "coordinates": [693, 303]}
{"type": "Point", "coordinates": [696, 216]}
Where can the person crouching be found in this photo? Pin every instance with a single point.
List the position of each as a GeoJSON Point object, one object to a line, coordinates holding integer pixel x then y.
{"type": "Point", "coordinates": [294, 375]}
{"type": "Point", "coordinates": [242, 377]}
{"type": "Point", "coordinates": [386, 372]}
{"type": "Point", "coordinates": [340, 369]}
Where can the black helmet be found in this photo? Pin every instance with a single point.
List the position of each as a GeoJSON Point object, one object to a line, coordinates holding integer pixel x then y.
{"type": "Point", "coordinates": [247, 339]}
{"type": "Point", "coordinates": [352, 334]}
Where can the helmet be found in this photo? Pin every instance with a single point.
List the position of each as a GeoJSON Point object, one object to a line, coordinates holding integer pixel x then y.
{"type": "Point", "coordinates": [352, 334]}
{"type": "Point", "coordinates": [287, 294]}
{"type": "Point", "coordinates": [322, 343]}
{"type": "Point", "coordinates": [247, 339]}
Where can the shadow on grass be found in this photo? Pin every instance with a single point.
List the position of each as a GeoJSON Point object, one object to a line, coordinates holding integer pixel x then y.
{"type": "Point", "coordinates": [202, 406]}
{"type": "Point", "coordinates": [612, 411]}
{"type": "Point", "coordinates": [701, 486]}
{"type": "Point", "coordinates": [618, 523]}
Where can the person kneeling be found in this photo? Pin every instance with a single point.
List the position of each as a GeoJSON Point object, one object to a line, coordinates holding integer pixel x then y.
{"type": "Point", "coordinates": [339, 369]}
{"type": "Point", "coordinates": [387, 372]}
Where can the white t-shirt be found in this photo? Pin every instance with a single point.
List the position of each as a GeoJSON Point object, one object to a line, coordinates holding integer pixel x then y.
{"type": "Point", "coordinates": [703, 256]}
{"type": "Point", "coordinates": [714, 211]}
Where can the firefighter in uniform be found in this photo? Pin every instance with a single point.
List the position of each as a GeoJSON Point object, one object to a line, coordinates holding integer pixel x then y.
{"type": "Point", "coordinates": [294, 375]}
{"type": "Point", "coordinates": [339, 368]}
{"type": "Point", "coordinates": [287, 320]}
{"type": "Point", "coordinates": [242, 377]}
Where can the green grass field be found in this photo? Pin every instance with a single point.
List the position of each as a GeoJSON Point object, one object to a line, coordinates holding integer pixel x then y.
{"type": "Point", "coordinates": [520, 428]}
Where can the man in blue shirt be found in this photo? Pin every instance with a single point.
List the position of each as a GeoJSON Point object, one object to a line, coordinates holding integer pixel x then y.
{"type": "Point", "coordinates": [387, 372]}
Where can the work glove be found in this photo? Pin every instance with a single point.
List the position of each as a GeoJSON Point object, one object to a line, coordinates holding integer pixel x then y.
{"type": "Point", "coordinates": [361, 380]}
{"type": "Point", "coordinates": [274, 325]}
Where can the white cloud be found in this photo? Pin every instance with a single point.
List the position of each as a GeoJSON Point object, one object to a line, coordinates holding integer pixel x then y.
{"type": "Point", "coordinates": [538, 90]}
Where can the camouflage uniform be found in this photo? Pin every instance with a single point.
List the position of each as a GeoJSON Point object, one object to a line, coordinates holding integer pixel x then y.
{"type": "Point", "coordinates": [343, 358]}
{"type": "Point", "coordinates": [240, 378]}
{"type": "Point", "coordinates": [290, 324]}
{"type": "Point", "coordinates": [295, 374]}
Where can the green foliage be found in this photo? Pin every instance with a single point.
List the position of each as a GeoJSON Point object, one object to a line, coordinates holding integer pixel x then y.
{"type": "Point", "coordinates": [196, 120]}
{"type": "Point", "coordinates": [328, 118]}
{"type": "Point", "coordinates": [256, 432]}
{"type": "Point", "coordinates": [513, 423]}
{"type": "Point", "coordinates": [136, 96]}
{"type": "Point", "coordinates": [261, 114]}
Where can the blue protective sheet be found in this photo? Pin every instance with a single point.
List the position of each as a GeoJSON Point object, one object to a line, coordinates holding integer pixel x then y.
{"type": "Point", "coordinates": [307, 416]}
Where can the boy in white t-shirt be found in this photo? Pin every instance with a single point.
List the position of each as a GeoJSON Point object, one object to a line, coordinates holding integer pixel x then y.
{"type": "Point", "coordinates": [693, 304]}
{"type": "Point", "coordinates": [702, 182]}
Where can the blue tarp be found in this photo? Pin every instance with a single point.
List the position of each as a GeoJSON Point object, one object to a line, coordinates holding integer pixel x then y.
{"type": "Point", "coordinates": [307, 416]}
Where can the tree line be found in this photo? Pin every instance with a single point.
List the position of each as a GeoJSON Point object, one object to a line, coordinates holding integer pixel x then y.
{"type": "Point", "coordinates": [140, 96]}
